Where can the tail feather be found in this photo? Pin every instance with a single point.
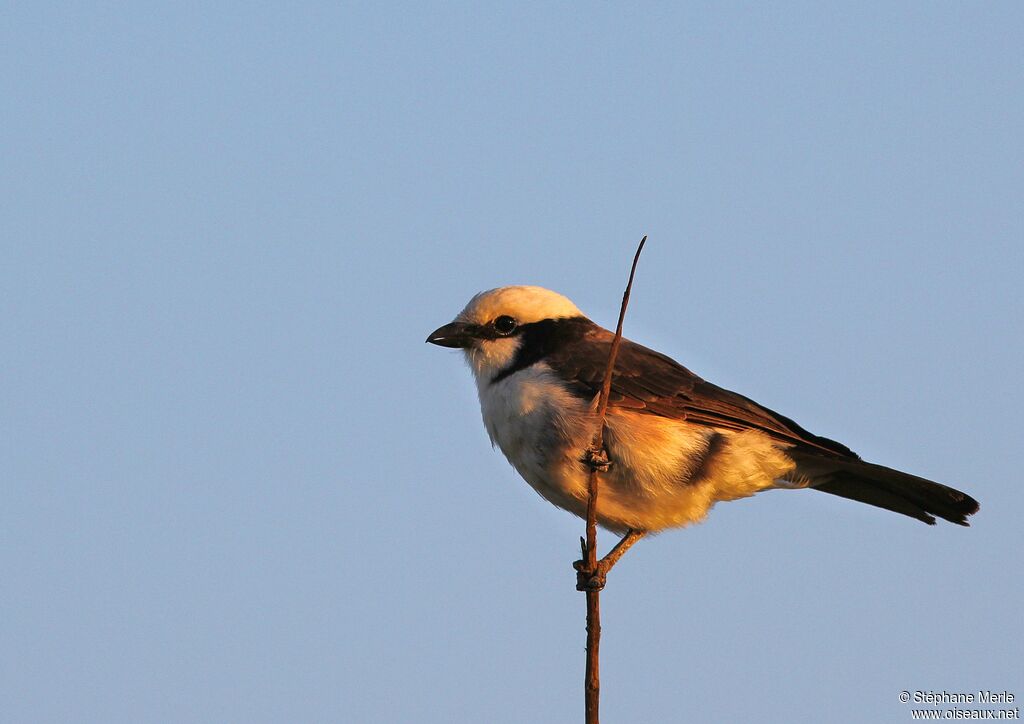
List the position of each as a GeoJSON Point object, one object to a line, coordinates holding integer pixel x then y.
{"type": "Point", "coordinates": [890, 489]}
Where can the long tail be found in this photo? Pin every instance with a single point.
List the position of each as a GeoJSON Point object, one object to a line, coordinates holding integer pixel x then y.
{"type": "Point", "coordinates": [887, 488]}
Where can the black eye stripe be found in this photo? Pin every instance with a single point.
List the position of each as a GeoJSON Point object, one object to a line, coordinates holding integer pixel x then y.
{"type": "Point", "coordinates": [539, 339]}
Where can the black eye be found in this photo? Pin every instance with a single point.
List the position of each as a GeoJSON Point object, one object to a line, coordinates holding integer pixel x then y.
{"type": "Point", "coordinates": [505, 324]}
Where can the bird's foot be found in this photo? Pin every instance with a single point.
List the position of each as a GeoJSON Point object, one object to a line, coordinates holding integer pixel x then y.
{"type": "Point", "coordinates": [587, 580]}
{"type": "Point", "coordinates": [597, 459]}
{"type": "Point", "coordinates": [593, 579]}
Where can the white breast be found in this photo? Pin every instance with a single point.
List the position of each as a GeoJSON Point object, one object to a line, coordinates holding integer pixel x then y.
{"type": "Point", "coordinates": [542, 429]}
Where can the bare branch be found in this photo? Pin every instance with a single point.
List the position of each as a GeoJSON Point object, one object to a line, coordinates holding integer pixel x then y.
{"type": "Point", "coordinates": [590, 578]}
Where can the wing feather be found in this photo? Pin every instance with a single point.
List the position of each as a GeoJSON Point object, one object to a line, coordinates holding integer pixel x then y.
{"type": "Point", "coordinates": [651, 382]}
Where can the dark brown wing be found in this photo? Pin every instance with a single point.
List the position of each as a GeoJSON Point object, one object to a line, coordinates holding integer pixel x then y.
{"type": "Point", "coordinates": [648, 381]}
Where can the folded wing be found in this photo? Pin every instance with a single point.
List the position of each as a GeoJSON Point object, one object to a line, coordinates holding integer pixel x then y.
{"type": "Point", "coordinates": [648, 381]}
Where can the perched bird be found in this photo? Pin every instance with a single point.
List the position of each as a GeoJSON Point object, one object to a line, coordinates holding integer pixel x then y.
{"type": "Point", "coordinates": [676, 443]}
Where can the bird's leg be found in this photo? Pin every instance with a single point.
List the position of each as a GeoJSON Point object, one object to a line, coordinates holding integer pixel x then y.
{"type": "Point", "coordinates": [595, 580]}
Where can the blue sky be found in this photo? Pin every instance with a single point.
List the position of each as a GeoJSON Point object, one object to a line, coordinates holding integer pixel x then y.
{"type": "Point", "coordinates": [237, 485]}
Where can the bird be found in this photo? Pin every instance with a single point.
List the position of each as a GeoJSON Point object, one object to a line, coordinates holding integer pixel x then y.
{"type": "Point", "coordinates": [676, 444]}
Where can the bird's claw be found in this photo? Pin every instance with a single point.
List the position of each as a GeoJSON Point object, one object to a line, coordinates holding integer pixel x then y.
{"type": "Point", "coordinates": [587, 580]}
{"type": "Point", "coordinates": [597, 460]}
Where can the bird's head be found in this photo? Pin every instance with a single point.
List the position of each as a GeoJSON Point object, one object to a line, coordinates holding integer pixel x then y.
{"type": "Point", "coordinates": [490, 330]}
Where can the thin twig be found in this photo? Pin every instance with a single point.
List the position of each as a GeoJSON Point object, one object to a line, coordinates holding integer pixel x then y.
{"type": "Point", "coordinates": [607, 386]}
{"type": "Point", "coordinates": [598, 460]}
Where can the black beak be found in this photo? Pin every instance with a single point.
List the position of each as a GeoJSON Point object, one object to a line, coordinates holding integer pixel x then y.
{"type": "Point", "coordinates": [457, 335]}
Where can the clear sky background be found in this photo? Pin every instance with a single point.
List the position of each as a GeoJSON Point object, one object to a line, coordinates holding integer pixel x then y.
{"type": "Point", "coordinates": [237, 485]}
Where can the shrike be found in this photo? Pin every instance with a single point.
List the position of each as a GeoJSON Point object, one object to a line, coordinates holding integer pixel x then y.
{"type": "Point", "coordinates": [677, 444]}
